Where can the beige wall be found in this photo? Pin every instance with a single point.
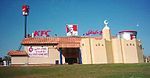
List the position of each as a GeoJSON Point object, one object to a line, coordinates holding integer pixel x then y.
{"type": "Point", "coordinates": [19, 60]}
{"type": "Point", "coordinates": [113, 51]}
{"type": "Point", "coordinates": [98, 51]}
{"type": "Point", "coordinates": [109, 51]}
{"type": "Point", "coordinates": [140, 51]}
{"type": "Point", "coordinates": [117, 50]}
{"type": "Point", "coordinates": [53, 54]}
{"type": "Point", "coordinates": [129, 51]}
{"type": "Point", "coordinates": [86, 51]}
{"type": "Point", "coordinates": [93, 51]}
{"type": "Point", "coordinates": [51, 59]}
{"type": "Point", "coordinates": [38, 60]}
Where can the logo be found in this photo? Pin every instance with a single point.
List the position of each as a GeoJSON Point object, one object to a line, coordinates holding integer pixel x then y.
{"type": "Point", "coordinates": [41, 33]}
{"type": "Point", "coordinates": [30, 49]}
{"type": "Point", "coordinates": [25, 10]}
{"type": "Point", "coordinates": [72, 30]}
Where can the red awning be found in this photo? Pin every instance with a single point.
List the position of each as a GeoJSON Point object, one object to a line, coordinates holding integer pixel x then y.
{"type": "Point", "coordinates": [17, 53]}
{"type": "Point", "coordinates": [68, 45]}
{"type": "Point", "coordinates": [50, 40]}
{"type": "Point", "coordinates": [39, 41]}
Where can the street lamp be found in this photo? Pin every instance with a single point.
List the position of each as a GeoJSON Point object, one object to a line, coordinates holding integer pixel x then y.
{"type": "Point", "coordinates": [25, 12]}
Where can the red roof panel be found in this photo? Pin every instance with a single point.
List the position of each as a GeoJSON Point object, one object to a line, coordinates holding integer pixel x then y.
{"type": "Point", "coordinates": [17, 53]}
{"type": "Point", "coordinates": [50, 40]}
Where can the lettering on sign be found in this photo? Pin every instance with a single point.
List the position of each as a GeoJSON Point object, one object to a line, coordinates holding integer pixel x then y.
{"type": "Point", "coordinates": [41, 33]}
{"type": "Point", "coordinates": [37, 51]}
{"type": "Point", "coordinates": [94, 32]}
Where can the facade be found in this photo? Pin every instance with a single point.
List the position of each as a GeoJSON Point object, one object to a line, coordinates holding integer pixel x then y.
{"type": "Point", "coordinates": [124, 48]}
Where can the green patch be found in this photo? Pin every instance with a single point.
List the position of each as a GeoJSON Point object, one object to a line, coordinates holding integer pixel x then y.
{"type": "Point", "coordinates": [78, 71]}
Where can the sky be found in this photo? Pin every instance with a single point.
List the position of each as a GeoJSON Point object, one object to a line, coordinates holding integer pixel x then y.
{"type": "Point", "coordinates": [88, 14]}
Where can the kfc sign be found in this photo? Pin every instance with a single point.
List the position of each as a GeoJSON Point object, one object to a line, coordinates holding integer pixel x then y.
{"type": "Point", "coordinates": [72, 30]}
{"type": "Point", "coordinates": [25, 10]}
{"type": "Point", "coordinates": [41, 33]}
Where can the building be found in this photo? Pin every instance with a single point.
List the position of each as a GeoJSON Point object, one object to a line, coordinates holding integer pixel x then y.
{"type": "Point", "coordinates": [123, 48]}
{"type": "Point", "coordinates": [147, 59]}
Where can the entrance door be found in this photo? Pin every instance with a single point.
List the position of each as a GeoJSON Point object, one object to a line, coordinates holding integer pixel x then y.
{"type": "Point", "coordinates": [71, 55]}
{"type": "Point", "coordinates": [71, 60]}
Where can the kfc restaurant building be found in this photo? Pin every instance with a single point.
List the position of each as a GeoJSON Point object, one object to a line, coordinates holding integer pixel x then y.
{"type": "Point", "coordinates": [72, 49]}
{"type": "Point", "coordinates": [58, 50]}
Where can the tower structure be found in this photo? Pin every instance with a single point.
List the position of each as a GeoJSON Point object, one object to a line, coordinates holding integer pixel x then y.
{"type": "Point", "coordinates": [106, 31]}
{"type": "Point", "coordinates": [106, 35]}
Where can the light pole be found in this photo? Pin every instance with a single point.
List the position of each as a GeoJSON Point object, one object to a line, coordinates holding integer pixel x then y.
{"type": "Point", "coordinates": [25, 12]}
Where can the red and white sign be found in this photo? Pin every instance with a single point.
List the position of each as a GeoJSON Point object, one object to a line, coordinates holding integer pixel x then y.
{"type": "Point", "coordinates": [72, 30]}
{"type": "Point", "coordinates": [94, 32]}
{"type": "Point", "coordinates": [25, 10]}
{"type": "Point", "coordinates": [41, 33]}
{"type": "Point", "coordinates": [37, 51]}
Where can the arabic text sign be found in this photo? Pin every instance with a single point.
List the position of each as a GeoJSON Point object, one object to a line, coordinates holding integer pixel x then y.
{"type": "Point", "coordinates": [94, 32]}
{"type": "Point", "coordinates": [37, 51]}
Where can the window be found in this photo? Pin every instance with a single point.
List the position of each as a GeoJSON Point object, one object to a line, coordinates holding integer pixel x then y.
{"type": "Point", "coordinates": [98, 44]}
{"type": "Point", "coordinates": [133, 44]}
{"type": "Point", "coordinates": [130, 44]}
{"type": "Point", "coordinates": [82, 44]}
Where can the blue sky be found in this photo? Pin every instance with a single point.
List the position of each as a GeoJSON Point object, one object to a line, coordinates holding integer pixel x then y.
{"type": "Point", "coordinates": [88, 14]}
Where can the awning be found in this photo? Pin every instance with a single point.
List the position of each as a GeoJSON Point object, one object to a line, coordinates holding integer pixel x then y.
{"type": "Point", "coordinates": [50, 40]}
{"type": "Point", "coordinates": [39, 41]}
{"type": "Point", "coordinates": [68, 45]}
{"type": "Point", "coordinates": [17, 53]}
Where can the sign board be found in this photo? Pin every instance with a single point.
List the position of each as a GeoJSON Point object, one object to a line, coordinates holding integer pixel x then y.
{"type": "Point", "coordinates": [72, 30]}
{"type": "Point", "coordinates": [25, 10]}
{"type": "Point", "coordinates": [38, 51]}
{"type": "Point", "coordinates": [41, 33]}
{"type": "Point", "coordinates": [128, 34]}
{"type": "Point", "coordinates": [94, 32]}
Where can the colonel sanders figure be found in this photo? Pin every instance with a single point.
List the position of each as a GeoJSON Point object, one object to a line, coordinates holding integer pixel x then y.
{"type": "Point", "coordinates": [71, 30]}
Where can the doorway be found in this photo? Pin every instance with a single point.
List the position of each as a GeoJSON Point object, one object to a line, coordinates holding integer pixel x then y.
{"type": "Point", "coordinates": [72, 55]}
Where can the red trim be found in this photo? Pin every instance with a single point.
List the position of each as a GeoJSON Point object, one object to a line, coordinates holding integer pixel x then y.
{"type": "Point", "coordinates": [49, 40]}
{"type": "Point", "coordinates": [17, 53]}
{"type": "Point", "coordinates": [127, 31]}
